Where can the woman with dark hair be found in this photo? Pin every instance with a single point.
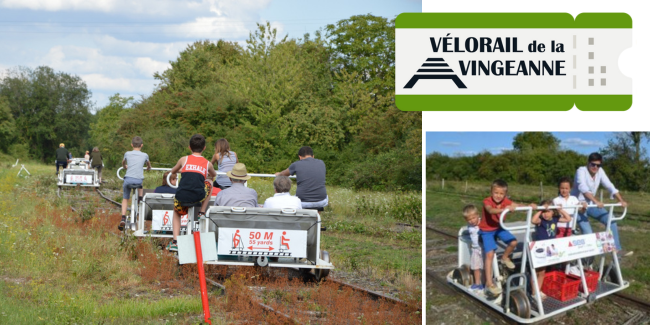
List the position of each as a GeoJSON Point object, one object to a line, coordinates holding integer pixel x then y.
{"type": "Point", "coordinates": [165, 188]}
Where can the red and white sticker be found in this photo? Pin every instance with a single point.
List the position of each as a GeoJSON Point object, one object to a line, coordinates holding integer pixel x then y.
{"type": "Point", "coordinates": [162, 220]}
{"type": "Point", "coordinates": [267, 242]}
{"type": "Point", "coordinates": [79, 179]}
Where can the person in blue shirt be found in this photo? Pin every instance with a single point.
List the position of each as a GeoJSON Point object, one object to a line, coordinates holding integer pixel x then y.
{"type": "Point", "coordinates": [545, 222]}
{"type": "Point", "coordinates": [165, 188]}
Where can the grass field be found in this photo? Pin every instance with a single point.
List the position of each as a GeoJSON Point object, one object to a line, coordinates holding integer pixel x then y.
{"type": "Point", "coordinates": [59, 267]}
{"type": "Point", "coordinates": [444, 211]}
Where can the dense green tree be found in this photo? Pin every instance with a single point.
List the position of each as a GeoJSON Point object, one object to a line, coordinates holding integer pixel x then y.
{"type": "Point", "coordinates": [7, 125]}
{"type": "Point", "coordinates": [535, 140]}
{"type": "Point", "coordinates": [48, 107]}
{"type": "Point", "coordinates": [365, 46]}
{"type": "Point", "coordinates": [626, 163]}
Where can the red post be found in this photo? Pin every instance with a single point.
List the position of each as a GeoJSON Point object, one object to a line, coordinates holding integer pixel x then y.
{"type": "Point", "coordinates": [199, 264]}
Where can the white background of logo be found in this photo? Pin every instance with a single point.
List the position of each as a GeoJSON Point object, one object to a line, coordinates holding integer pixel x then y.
{"type": "Point", "coordinates": [413, 48]}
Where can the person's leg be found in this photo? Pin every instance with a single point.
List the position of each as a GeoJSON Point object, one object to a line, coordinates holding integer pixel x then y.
{"type": "Point", "coordinates": [602, 215]}
{"type": "Point", "coordinates": [583, 222]}
{"type": "Point", "coordinates": [176, 224]}
{"type": "Point", "coordinates": [57, 167]}
{"type": "Point", "coordinates": [126, 194]}
{"type": "Point", "coordinates": [488, 268]}
{"type": "Point", "coordinates": [511, 241]}
{"type": "Point", "coordinates": [490, 247]}
{"type": "Point", "coordinates": [206, 199]}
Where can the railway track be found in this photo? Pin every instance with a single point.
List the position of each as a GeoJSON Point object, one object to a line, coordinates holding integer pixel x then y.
{"type": "Point", "coordinates": [637, 310]}
{"type": "Point", "coordinates": [309, 278]}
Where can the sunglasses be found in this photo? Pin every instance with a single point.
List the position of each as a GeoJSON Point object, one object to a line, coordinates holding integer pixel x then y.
{"type": "Point", "coordinates": [595, 165]}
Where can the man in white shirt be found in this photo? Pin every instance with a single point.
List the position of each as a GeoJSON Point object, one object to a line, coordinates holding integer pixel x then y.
{"type": "Point", "coordinates": [587, 181]}
{"type": "Point", "coordinates": [282, 197]}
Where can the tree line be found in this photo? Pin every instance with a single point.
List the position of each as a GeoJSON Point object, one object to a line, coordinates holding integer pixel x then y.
{"type": "Point", "coordinates": [333, 91]}
{"type": "Point", "coordinates": [537, 157]}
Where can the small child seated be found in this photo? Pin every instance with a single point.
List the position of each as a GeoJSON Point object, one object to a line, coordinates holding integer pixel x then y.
{"type": "Point", "coordinates": [490, 229]}
{"type": "Point", "coordinates": [546, 222]}
{"type": "Point", "coordinates": [566, 199]}
{"type": "Point", "coordinates": [470, 212]}
{"type": "Point", "coordinates": [195, 186]}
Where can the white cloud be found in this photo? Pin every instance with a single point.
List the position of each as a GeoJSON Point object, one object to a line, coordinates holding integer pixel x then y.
{"type": "Point", "coordinates": [449, 144]}
{"type": "Point", "coordinates": [121, 85]}
{"type": "Point", "coordinates": [498, 150]}
{"type": "Point", "coordinates": [464, 153]}
{"type": "Point", "coordinates": [143, 7]}
{"type": "Point", "coordinates": [147, 66]}
{"type": "Point", "coordinates": [578, 142]}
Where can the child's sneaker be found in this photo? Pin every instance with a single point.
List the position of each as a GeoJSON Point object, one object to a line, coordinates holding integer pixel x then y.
{"type": "Point", "coordinates": [122, 224]}
{"type": "Point", "coordinates": [508, 263]}
{"type": "Point", "coordinates": [477, 288]}
{"type": "Point", "coordinates": [493, 290]}
{"type": "Point", "coordinates": [172, 246]}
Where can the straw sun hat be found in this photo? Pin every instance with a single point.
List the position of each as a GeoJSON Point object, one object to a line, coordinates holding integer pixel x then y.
{"type": "Point", "coordinates": [238, 172]}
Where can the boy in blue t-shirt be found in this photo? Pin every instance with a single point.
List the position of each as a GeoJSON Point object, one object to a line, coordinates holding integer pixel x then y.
{"type": "Point", "coordinates": [545, 222]}
{"type": "Point", "coordinates": [133, 162]}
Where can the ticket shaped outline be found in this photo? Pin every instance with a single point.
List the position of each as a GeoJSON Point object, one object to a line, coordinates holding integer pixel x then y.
{"type": "Point", "coordinates": [509, 102]}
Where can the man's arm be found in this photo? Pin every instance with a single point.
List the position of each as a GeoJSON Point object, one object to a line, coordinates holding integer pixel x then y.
{"type": "Point", "coordinates": [285, 172]}
{"type": "Point", "coordinates": [124, 163]}
{"type": "Point", "coordinates": [148, 165]}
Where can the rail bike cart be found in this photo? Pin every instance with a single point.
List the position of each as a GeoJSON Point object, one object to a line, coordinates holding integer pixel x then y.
{"type": "Point", "coordinates": [573, 285]}
{"type": "Point", "coordinates": [244, 236]}
{"type": "Point", "coordinates": [267, 237]}
{"type": "Point", "coordinates": [78, 173]}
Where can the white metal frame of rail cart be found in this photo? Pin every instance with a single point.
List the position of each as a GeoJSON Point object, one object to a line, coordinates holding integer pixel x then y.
{"type": "Point", "coordinates": [267, 237]}
{"type": "Point", "coordinates": [159, 208]}
{"type": "Point", "coordinates": [78, 173]}
{"type": "Point", "coordinates": [515, 302]}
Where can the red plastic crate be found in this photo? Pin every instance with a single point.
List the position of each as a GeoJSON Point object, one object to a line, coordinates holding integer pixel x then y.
{"type": "Point", "coordinates": [560, 286]}
{"type": "Point", "coordinates": [592, 280]}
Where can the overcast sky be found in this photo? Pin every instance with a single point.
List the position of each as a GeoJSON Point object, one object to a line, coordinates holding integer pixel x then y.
{"type": "Point", "coordinates": [116, 45]}
{"type": "Point", "coordinates": [472, 143]}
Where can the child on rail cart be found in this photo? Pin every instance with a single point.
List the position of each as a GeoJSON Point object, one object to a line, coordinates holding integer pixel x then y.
{"type": "Point", "coordinates": [195, 186]}
{"type": "Point", "coordinates": [566, 199]}
{"type": "Point", "coordinates": [490, 228]}
{"type": "Point", "coordinates": [133, 162]}
{"type": "Point", "coordinates": [225, 160]}
{"type": "Point", "coordinates": [470, 212]}
{"type": "Point", "coordinates": [546, 227]}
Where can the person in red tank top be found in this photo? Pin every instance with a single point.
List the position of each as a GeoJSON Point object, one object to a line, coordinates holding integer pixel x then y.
{"type": "Point", "coordinates": [195, 185]}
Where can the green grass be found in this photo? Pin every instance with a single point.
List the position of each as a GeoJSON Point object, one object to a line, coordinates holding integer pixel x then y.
{"type": "Point", "coordinates": [60, 267]}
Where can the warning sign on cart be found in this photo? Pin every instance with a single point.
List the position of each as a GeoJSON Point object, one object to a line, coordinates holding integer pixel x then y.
{"type": "Point", "coordinates": [267, 242]}
{"type": "Point", "coordinates": [79, 179]}
{"type": "Point", "coordinates": [162, 220]}
{"type": "Point", "coordinates": [553, 251]}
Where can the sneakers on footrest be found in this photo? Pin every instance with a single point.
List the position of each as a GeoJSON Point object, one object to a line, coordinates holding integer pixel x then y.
{"type": "Point", "coordinates": [172, 246]}
{"type": "Point", "coordinates": [493, 290]}
{"type": "Point", "coordinates": [508, 263]}
{"type": "Point", "coordinates": [122, 224]}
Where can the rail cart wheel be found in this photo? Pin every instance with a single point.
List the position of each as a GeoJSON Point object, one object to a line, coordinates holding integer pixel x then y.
{"type": "Point", "coordinates": [462, 275]}
{"type": "Point", "coordinates": [519, 304]}
{"type": "Point", "coordinates": [323, 273]}
{"type": "Point", "coordinates": [262, 261]}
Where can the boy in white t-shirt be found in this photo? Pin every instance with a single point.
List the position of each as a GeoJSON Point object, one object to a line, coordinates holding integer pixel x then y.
{"type": "Point", "coordinates": [566, 199]}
